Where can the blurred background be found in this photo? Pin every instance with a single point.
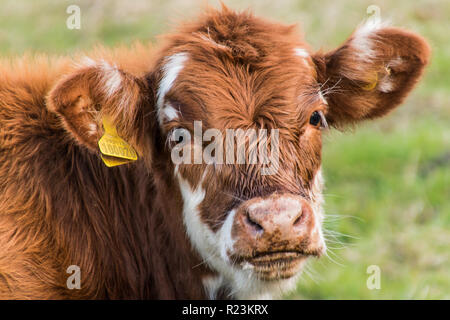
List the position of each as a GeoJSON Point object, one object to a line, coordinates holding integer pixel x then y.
{"type": "Point", "coordinates": [387, 182]}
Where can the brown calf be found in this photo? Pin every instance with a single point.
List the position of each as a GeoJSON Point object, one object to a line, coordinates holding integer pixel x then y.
{"type": "Point", "coordinates": [199, 227]}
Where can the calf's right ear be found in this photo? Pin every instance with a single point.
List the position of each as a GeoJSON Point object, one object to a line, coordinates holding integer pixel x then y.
{"type": "Point", "coordinates": [95, 91]}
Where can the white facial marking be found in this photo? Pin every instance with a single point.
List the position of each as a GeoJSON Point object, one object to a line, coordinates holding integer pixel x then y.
{"type": "Point", "coordinates": [212, 284]}
{"type": "Point", "coordinates": [224, 234]}
{"type": "Point", "coordinates": [240, 283]}
{"type": "Point", "coordinates": [171, 69]}
{"type": "Point", "coordinates": [192, 198]}
{"type": "Point", "coordinates": [301, 52]}
{"type": "Point", "coordinates": [322, 98]}
{"type": "Point", "coordinates": [317, 201]}
{"type": "Point", "coordinates": [247, 266]}
{"type": "Point", "coordinates": [316, 192]}
{"type": "Point", "coordinates": [169, 112]}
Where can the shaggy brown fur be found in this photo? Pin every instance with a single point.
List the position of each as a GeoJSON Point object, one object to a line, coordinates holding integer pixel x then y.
{"type": "Point", "coordinates": [60, 205]}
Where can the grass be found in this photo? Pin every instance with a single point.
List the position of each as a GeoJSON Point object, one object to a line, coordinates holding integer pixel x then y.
{"type": "Point", "coordinates": [383, 192]}
{"type": "Point", "coordinates": [388, 181]}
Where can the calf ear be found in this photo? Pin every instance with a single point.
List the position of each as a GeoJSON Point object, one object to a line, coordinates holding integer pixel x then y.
{"type": "Point", "coordinates": [92, 92]}
{"type": "Point", "coordinates": [371, 73]}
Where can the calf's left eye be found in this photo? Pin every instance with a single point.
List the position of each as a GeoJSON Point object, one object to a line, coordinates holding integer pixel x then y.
{"type": "Point", "coordinates": [315, 119]}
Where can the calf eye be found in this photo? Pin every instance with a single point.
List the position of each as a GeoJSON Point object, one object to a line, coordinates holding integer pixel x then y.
{"type": "Point", "coordinates": [316, 119]}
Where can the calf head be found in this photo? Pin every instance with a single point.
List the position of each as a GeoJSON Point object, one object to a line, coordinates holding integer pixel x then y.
{"type": "Point", "coordinates": [253, 222]}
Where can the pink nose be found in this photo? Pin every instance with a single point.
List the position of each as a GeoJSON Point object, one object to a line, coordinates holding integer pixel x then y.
{"type": "Point", "coordinates": [286, 218]}
{"type": "Point", "coordinates": [277, 223]}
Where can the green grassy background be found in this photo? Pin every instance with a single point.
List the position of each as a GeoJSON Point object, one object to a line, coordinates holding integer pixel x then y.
{"type": "Point", "coordinates": [388, 181]}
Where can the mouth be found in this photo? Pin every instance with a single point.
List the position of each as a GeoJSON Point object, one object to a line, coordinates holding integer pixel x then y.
{"type": "Point", "coordinates": [270, 266]}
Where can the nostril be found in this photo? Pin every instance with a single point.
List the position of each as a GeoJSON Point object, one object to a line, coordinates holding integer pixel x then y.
{"type": "Point", "coordinates": [299, 220]}
{"type": "Point", "coordinates": [253, 224]}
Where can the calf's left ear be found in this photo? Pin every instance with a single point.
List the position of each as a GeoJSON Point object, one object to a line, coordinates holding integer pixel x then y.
{"type": "Point", "coordinates": [371, 73]}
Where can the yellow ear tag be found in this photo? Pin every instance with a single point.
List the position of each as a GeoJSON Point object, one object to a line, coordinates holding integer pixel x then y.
{"type": "Point", "coordinates": [112, 161]}
{"type": "Point", "coordinates": [372, 85]}
{"type": "Point", "coordinates": [115, 151]}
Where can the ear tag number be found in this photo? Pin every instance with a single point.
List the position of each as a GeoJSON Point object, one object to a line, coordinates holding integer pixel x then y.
{"type": "Point", "coordinates": [115, 151]}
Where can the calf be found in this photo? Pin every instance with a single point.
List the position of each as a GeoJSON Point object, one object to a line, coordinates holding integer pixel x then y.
{"type": "Point", "coordinates": [186, 220]}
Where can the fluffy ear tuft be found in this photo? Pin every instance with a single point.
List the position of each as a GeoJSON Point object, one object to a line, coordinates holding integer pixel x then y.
{"type": "Point", "coordinates": [371, 73]}
{"type": "Point", "coordinates": [95, 89]}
